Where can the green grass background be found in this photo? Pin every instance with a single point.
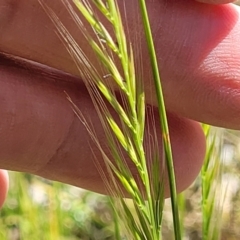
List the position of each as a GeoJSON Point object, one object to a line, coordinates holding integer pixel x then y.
{"type": "Point", "coordinates": [39, 209]}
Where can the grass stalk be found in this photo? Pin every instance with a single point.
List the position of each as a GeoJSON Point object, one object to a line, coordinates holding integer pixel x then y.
{"type": "Point", "coordinates": [163, 117]}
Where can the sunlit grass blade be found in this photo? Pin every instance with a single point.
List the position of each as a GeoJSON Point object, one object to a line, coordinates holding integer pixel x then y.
{"type": "Point", "coordinates": [211, 184]}
{"type": "Point", "coordinates": [182, 210]}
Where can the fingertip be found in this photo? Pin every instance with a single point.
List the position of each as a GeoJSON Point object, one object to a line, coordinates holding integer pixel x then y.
{"type": "Point", "coordinates": [4, 184]}
{"type": "Point", "coordinates": [196, 141]}
{"type": "Point", "coordinates": [216, 1]}
{"type": "Point", "coordinates": [189, 147]}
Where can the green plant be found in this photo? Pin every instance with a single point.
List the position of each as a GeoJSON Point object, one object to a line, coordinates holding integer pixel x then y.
{"type": "Point", "coordinates": [125, 133]}
{"type": "Point", "coordinates": [211, 174]}
{"type": "Point", "coordinates": [40, 209]}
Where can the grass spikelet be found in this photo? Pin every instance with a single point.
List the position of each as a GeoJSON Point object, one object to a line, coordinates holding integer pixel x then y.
{"type": "Point", "coordinates": [125, 130]}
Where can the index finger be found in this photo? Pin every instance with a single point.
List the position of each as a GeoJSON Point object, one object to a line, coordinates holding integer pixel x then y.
{"type": "Point", "coordinates": [216, 1]}
{"type": "Point", "coordinates": [197, 46]}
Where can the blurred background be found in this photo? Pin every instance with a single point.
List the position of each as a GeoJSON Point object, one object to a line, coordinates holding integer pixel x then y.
{"type": "Point", "coordinates": [40, 209]}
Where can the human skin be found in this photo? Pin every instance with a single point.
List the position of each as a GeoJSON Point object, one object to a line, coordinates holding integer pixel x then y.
{"type": "Point", "coordinates": [198, 51]}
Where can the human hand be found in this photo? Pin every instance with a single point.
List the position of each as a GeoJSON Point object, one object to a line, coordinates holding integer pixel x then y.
{"type": "Point", "coordinates": [198, 49]}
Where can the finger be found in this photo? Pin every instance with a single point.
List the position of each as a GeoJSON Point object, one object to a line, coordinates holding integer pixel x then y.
{"type": "Point", "coordinates": [4, 182]}
{"type": "Point", "coordinates": [40, 133]}
{"type": "Point", "coordinates": [197, 45]}
{"type": "Point", "coordinates": [215, 1]}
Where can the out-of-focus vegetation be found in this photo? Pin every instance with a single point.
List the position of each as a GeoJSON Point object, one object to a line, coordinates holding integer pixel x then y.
{"type": "Point", "coordinates": [39, 209]}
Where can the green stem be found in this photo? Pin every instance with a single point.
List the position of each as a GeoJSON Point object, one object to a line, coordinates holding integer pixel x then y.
{"type": "Point", "coordinates": [163, 118]}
